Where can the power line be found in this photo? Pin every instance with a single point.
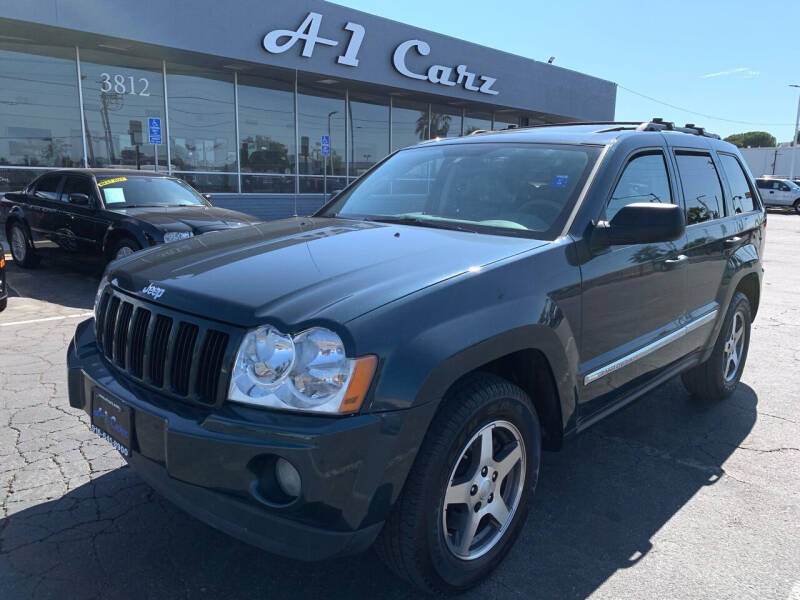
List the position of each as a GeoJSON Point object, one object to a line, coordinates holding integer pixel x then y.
{"type": "Point", "coordinates": [694, 112]}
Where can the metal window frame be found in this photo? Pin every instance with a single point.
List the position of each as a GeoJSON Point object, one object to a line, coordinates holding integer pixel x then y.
{"type": "Point", "coordinates": [236, 131]}
{"type": "Point", "coordinates": [80, 106]}
{"type": "Point", "coordinates": [166, 116]}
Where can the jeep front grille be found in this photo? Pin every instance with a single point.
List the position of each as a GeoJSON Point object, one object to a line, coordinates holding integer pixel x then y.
{"type": "Point", "coordinates": [184, 356]}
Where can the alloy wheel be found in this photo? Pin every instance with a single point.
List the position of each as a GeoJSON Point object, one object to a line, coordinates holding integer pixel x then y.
{"type": "Point", "coordinates": [123, 252]}
{"type": "Point", "coordinates": [734, 347]}
{"type": "Point", "coordinates": [19, 246]}
{"type": "Point", "coordinates": [484, 490]}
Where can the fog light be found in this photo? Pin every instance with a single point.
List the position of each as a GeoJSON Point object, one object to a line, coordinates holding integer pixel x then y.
{"type": "Point", "coordinates": [288, 477]}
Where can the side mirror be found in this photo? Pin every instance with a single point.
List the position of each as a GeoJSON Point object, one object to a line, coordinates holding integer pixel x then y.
{"type": "Point", "coordinates": [643, 223]}
{"type": "Point", "coordinates": [79, 199]}
{"type": "Point", "coordinates": [207, 197]}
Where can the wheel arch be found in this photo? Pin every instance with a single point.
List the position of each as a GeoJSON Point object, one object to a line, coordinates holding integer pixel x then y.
{"type": "Point", "coordinates": [16, 215]}
{"type": "Point", "coordinates": [540, 369]}
{"type": "Point", "coordinates": [114, 234]}
{"type": "Point", "coordinates": [750, 286]}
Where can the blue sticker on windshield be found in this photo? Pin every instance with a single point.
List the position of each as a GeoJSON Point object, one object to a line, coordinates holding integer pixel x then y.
{"type": "Point", "coordinates": [559, 181]}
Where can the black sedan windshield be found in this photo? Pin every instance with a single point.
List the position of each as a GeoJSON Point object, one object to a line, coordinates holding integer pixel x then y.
{"type": "Point", "coordinates": [511, 189]}
{"type": "Point", "coordinates": [129, 192]}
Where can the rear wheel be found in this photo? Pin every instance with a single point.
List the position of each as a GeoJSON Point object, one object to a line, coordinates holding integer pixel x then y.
{"type": "Point", "coordinates": [797, 206]}
{"type": "Point", "coordinates": [21, 246]}
{"type": "Point", "coordinates": [468, 494]}
{"type": "Point", "coordinates": [718, 377]}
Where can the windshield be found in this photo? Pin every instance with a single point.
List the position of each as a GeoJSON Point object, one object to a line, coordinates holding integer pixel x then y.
{"type": "Point", "coordinates": [510, 189]}
{"type": "Point", "coordinates": [128, 192]}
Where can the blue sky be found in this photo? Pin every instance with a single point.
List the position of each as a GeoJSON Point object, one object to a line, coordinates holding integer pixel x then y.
{"type": "Point", "coordinates": [731, 60]}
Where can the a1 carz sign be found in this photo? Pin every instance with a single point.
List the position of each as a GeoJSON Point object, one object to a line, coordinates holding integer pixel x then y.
{"type": "Point", "coordinates": [281, 40]}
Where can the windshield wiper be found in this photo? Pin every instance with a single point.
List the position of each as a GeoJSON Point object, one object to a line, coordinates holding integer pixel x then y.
{"type": "Point", "coordinates": [408, 220]}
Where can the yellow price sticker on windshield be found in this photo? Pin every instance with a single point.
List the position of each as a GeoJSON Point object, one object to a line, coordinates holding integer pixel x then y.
{"type": "Point", "coordinates": [108, 181]}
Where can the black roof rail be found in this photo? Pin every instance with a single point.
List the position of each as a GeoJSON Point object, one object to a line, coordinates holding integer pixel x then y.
{"type": "Point", "coordinates": [654, 124]}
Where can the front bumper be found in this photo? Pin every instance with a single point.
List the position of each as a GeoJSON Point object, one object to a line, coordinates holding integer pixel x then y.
{"type": "Point", "coordinates": [214, 463]}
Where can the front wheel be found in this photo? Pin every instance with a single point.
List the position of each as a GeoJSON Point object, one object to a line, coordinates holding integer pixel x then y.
{"type": "Point", "coordinates": [797, 207]}
{"type": "Point", "coordinates": [22, 247]}
{"type": "Point", "coordinates": [468, 494]}
{"type": "Point", "coordinates": [717, 378]}
{"type": "Point", "coordinates": [124, 247]}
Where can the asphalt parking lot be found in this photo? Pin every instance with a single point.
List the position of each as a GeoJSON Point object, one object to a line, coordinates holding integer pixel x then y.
{"type": "Point", "coordinates": [665, 499]}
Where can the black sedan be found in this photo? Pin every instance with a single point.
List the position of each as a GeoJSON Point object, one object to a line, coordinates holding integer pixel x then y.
{"type": "Point", "coordinates": [106, 213]}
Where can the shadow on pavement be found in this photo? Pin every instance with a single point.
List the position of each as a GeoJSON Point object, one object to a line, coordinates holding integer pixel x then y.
{"type": "Point", "coordinates": [61, 280]}
{"type": "Point", "coordinates": [598, 504]}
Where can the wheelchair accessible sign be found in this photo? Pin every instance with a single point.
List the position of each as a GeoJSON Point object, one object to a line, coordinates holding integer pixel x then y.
{"type": "Point", "coordinates": [154, 130]}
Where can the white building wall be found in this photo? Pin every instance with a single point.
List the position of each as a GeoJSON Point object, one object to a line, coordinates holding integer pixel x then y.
{"type": "Point", "coordinates": [772, 161]}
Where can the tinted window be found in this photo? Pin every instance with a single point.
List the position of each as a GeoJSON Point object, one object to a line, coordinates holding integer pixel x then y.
{"type": "Point", "coordinates": [527, 189]}
{"type": "Point", "coordinates": [47, 187]}
{"type": "Point", "coordinates": [644, 180]}
{"type": "Point", "coordinates": [741, 194]}
{"type": "Point", "coordinates": [76, 185]}
{"type": "Point", "coordinates": [762, 183]}
{"type": "Point", "coordinates": [701, 187]}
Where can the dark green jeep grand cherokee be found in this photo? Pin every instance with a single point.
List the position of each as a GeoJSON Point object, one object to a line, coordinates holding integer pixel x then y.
{"type": "Point", "coordinates": [389, 369]}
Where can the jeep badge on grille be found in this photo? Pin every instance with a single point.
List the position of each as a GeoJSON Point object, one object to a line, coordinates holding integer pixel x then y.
{"type": "Point", "coordinates": [154, 291]}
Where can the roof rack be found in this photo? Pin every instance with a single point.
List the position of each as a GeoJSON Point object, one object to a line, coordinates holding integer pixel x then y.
{"type": "Point", "coordinates": [658, 124]}
{"type": "Point", "coordinates": [654, 124]}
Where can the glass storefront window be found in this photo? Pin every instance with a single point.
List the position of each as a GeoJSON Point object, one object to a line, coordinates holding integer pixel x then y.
{"type": "Point", "coordinates": [266, 126]}
{"type": "Point", "coordinates": [321, 112]}
{"type": "Point", "coordinates": [267, 184]}
{"type": "Point", "coordinates": [445, 121]}
{"type": "Point", "coordinates": [201, 119]}
{"type": "Point", "coordinates": [210, 182]}
{"type": "Point", "coordinates": [316, 185]}
{"type": "Point", "coordinates": [409, 123]}
{"type": "Point", "coordinates": [119, 94]}
{"type": "Point", "coordinates": [369, 131]}
{"type": "Point", "coordinates": [39, 116]}
{"type": "Point", "coordinates": [475, 120]}
{"type": "Point", "coordinates": [506, 119]}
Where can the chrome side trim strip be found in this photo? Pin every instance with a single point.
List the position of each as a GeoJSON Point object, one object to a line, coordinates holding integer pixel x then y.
{"type": "Point", "coordinates": [649, 349]}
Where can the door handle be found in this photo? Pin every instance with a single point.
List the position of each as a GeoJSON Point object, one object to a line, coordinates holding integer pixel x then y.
{"type": "Point", "coordinates": [677, 261]}
{"type": "Point", "coordinates": [734, 242]}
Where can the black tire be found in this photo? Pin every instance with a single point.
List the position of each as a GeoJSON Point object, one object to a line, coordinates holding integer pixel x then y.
{"type": "Point", "coordinates": [3, 304]}
{"type": "Point", "coordinates": [414, 542]}
{"type": "Point", "coordinates": [22, 249]}
{"type": "Point", "coordinates": [123, 243]}
{"type": "Point", "coordinates": [797, 206]}
{"type": "Point", "coordinates": [712, 380]}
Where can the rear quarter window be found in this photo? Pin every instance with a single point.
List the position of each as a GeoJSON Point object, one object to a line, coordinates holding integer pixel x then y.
{"type": "Point", "coordinates": [742, 199]}
{"type": "Point", "coordinates": [701, 185]}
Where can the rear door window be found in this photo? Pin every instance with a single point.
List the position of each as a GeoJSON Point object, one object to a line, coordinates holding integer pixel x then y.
{"type": "Point", "coordinates": [742, 199]}
{"type": "Point", "coordinates": [701, 185]}
{"type": "Point", "coordinates": [643, 180]}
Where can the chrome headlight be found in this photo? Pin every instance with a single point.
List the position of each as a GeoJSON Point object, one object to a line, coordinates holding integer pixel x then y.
{"type": "Point", "coordinates": [174, 236]}
{"type": "Point", "coordinates": [309, 371]}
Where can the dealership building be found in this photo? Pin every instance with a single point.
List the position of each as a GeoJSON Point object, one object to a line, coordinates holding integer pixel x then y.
{"type": "Point", "coordinates": [264, 105]}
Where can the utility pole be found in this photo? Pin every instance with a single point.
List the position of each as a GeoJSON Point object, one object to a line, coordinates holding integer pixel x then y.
{"type": "Point", "coordinates": [793, 146]}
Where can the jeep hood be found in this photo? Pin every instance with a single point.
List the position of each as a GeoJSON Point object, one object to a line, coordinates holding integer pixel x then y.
{"type": "Point", "coordinates": [300, 269]}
